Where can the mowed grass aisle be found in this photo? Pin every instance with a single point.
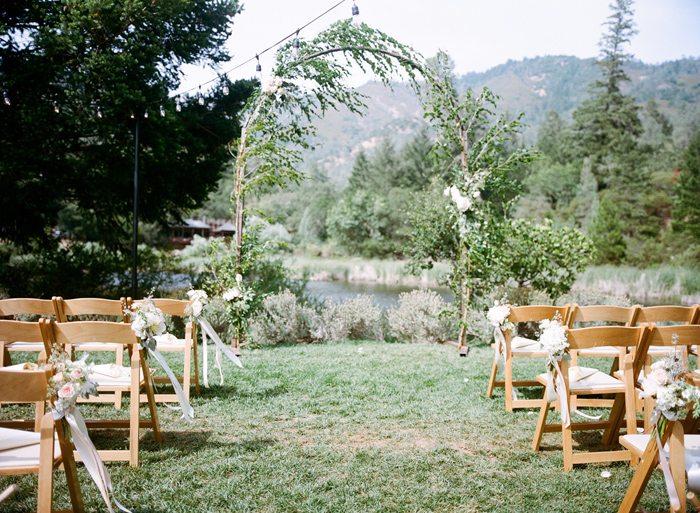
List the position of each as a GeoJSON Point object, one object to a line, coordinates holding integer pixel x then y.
{"type": "Point", "coordinates": [356, 427]}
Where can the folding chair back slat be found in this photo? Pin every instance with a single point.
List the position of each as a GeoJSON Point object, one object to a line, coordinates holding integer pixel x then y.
{"type": "Point", "coordinates": [666, 313]}
{"type": "Point", "coordinates": [26, 306]}
{"type": "Point", "coordinates": [535, 313]}
{"type": "Point", "coordinates": [90, 306]}
{"type": "Point", "coordinates": [626, 315]}
{"type": "Point", "coordinates": [76, 332]}
{"type": "Point", "coordinates": [25, 386]}
{"type": "Point", "coordinates": [19, 331]}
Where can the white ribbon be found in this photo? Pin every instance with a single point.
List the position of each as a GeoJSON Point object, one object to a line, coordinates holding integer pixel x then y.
{"type": "Point", "coordinates": [557, 388]}
{"type": "Point", "coordinates": [499, 348]}
{"type": "Point", "coordinates": [187, 410]}
{"type": "Point", "coordinates": [89, 456]}
{"type": "Point", "coordinates": [668, 477]}
{"type": "Point", "coordinates": [207, 328]}
{"type": "Point", "coordinates": [205, 359]}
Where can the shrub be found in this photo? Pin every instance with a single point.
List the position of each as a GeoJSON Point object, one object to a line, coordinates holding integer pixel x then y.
{"type": "Point", "coordinates": [420, 317]}
{"type": "Point", "coordinates": [281, 318]}
{"type": "Point", "coordinates": [356, 319]}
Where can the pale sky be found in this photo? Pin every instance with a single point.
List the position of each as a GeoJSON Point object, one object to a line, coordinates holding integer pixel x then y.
{"type": "Point", "coordinates": [478, 34]}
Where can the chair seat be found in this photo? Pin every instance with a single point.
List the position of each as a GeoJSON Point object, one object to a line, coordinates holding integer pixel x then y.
{"type": "Point", "coordinates": [169, 342]}
{"type": "Point", "coordinates": [19, 367]}
{"type": "Point", "coordinates": [637, 444]}
{"type": "Point", "coordinates": [21, 448]}
{"type": "Point", "coordinates": [96, 346]}
{"type": "Point", "coordinates": [522, 346]}
{"type": "Point", "coordinates": [603, 351]}
{"type": "Point", "coordinates": [25, 346]}
{"type": "Point", "coordinates": [583, 379]}
{"type": "Point", "coordinates": [111, 375]}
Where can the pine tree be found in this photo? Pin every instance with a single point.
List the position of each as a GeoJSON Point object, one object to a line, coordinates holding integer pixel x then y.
{"type": "Point", "coordinates": [686, 211]}
{"type": "Point", "coordinates": [607, 124]}
{"type": "Point", "coordinates": [606, 233]}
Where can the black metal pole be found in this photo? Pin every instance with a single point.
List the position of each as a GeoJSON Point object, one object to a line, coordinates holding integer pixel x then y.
{"type": "Point", "coordinates": [135, 241]}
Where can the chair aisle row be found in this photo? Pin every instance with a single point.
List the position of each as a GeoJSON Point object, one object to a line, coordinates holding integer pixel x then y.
{"type": "Point", "coordinates": [638, 345]}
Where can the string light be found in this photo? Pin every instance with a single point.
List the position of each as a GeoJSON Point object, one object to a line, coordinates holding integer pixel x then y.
{"type": "Point", "coordinates": [178, 105]}
{"type": "Point", "coordinates": [258, 67]}
{"type": "Point", "coordinates": [355, 11]}
{"type": "Point", "coordinates": [56, 108]}
{"type": "Point", "coordinates": [200, 96]}
{"type": "Point", "coordinates": [225, 90]}
{"type": "Point", "coordinates": [162, 111]}
{"type": "Point", "coordinates": [296, 45]}
{"type": "Point", "coordinates": [6, 99]}
{"type": "Point", "coordinates": [132, 116]}
{"type": "Point", "coordinates": [145, 114]}
{"type": "Point", "coordinates": [99, 113]}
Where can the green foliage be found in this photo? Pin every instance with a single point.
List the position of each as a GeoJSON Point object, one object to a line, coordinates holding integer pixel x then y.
{"type": "Point", "coordinates": [606, 233]}
{"type": "Point", "coordinates": [81, 269]}
{"type": "Point", "coordinates": [607, 124]}
{"type": "Point", "coordinates": [687, 193]}
{"type": "Point", "coordinates": [119, 58]}
{"type": "Point", "coordinates": [545, 258]}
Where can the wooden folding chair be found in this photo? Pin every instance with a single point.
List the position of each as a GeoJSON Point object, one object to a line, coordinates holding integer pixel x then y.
{"type": "Point", "coordinates": [113, 308]}
{"type": "Point", "coordinates": [667, 314]}
{"type": "Point", "coordinates": [581, 316]}
{"type": "Point", "coordinates": [187, 347]}
{"type": "Point", "coordinates": [23, 452]}
{"type": "Point", "coordinates": [645, 448]}
{"type": "Point", "coordinates": [12, 332]}
{"type": "Point", "coordinates": [23, 307]}
{"type": "Point", "coordinates": [516, 347]}
{"type": "Point", "coordinates": [112, 378]}
{"type": "Point", "coordinates": [580, 381]}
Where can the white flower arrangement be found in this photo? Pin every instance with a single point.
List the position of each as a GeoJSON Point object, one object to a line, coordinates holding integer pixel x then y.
{"type": "Point", "coordinates": [553, 338]}
{"type": "Point", "coordinates": [198, 300]}
{"type": "Point", "coordinates": [70, 381]}
{"type": "Point", "coordinates": [274, 87]}
{"type": "Point", "coordinates": [498, 315]}
{"type": "Point", "coordinates": [462, 203]}
{"type": "Point", "coordinates": [671, 385]}
{"type": "Point", "coordinates": [147, 322]}
{"type": "Point", "coordinates": [239, 296]}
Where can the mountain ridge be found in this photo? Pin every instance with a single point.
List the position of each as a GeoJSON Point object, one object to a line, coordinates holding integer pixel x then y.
{"type": "Point", "coordinates": [533, 86]}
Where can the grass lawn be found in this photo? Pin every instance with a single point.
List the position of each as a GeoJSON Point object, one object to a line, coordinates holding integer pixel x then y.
{"type": "Point", "coordinates": [351, 427]}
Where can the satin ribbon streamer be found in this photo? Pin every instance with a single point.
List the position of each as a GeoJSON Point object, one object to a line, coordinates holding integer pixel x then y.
{"type": "Point", "coordinates": [89, 456]}
{"type": "Point", "coordinates": [557, 388]}
{"type": "Point", "coordinates": [208, 331]}
{"type": "Point", "coordinates": [663, 461]}
{"type": "Point", "coordinates": [499, 355]}
{"type": "Point", "coordinates": [187, 410]}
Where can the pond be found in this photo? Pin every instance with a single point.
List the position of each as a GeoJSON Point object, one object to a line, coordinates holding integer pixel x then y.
{"type": "Point", "coordinates": [385, 296]}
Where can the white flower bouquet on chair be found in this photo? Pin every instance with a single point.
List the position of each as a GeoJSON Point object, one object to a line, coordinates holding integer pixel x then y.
{"type": "Point", "coordinates": [71, 381]}
{"type": "Point", "coordinates": [554, 342]}
{"type": "Point", "coordinates": [498, 318]}
{"type": "Point", "coordinates": [236, 297]}
{"type": "Point", "coordinates": [148, 322]}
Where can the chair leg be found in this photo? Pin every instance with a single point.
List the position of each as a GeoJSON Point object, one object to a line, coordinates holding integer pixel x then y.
{"type": "Point", "coordinates": [648, 463]}
{"type": "Point", "coordinates": [196, 367]}
{"type": "Point", "coordinates": [187, 371]}
{"type": "Point", "coordinates": [151, 402]}
{"type": "Point", "coordinates": [134, 407]}
{"type": "Point", "coordinates": [541, 422]}
{"type": "Point", "coordinates": [567, 444]}
{"type": "Point", "coordinates": [76, 497]}
{"type": "Point", "coordinates": [508, 378]}
{"type": "Point", "coordinates": [119, 360]}
{"type": "Point", "coordinates": [492, 379]}
{"type": "Point", "coordinates": [46, 451]}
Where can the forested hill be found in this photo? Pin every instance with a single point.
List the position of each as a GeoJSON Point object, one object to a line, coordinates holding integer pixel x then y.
{"type": "Point", "coordinates": [533, 86]}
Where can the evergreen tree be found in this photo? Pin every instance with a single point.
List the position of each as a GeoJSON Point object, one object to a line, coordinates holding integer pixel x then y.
{"type": "Point", "coordinates": [75, 74]}
{"type": "Point", "coordinates": [361, 176]}
{"type": "Point", "coordinates": [686, 211]}
{"type": "Point", "coordinates": [415, 168]}
{"type": "Point", "coordinates": [607, 124]}
{"type": "Point", "coordinates": [606, 233]}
